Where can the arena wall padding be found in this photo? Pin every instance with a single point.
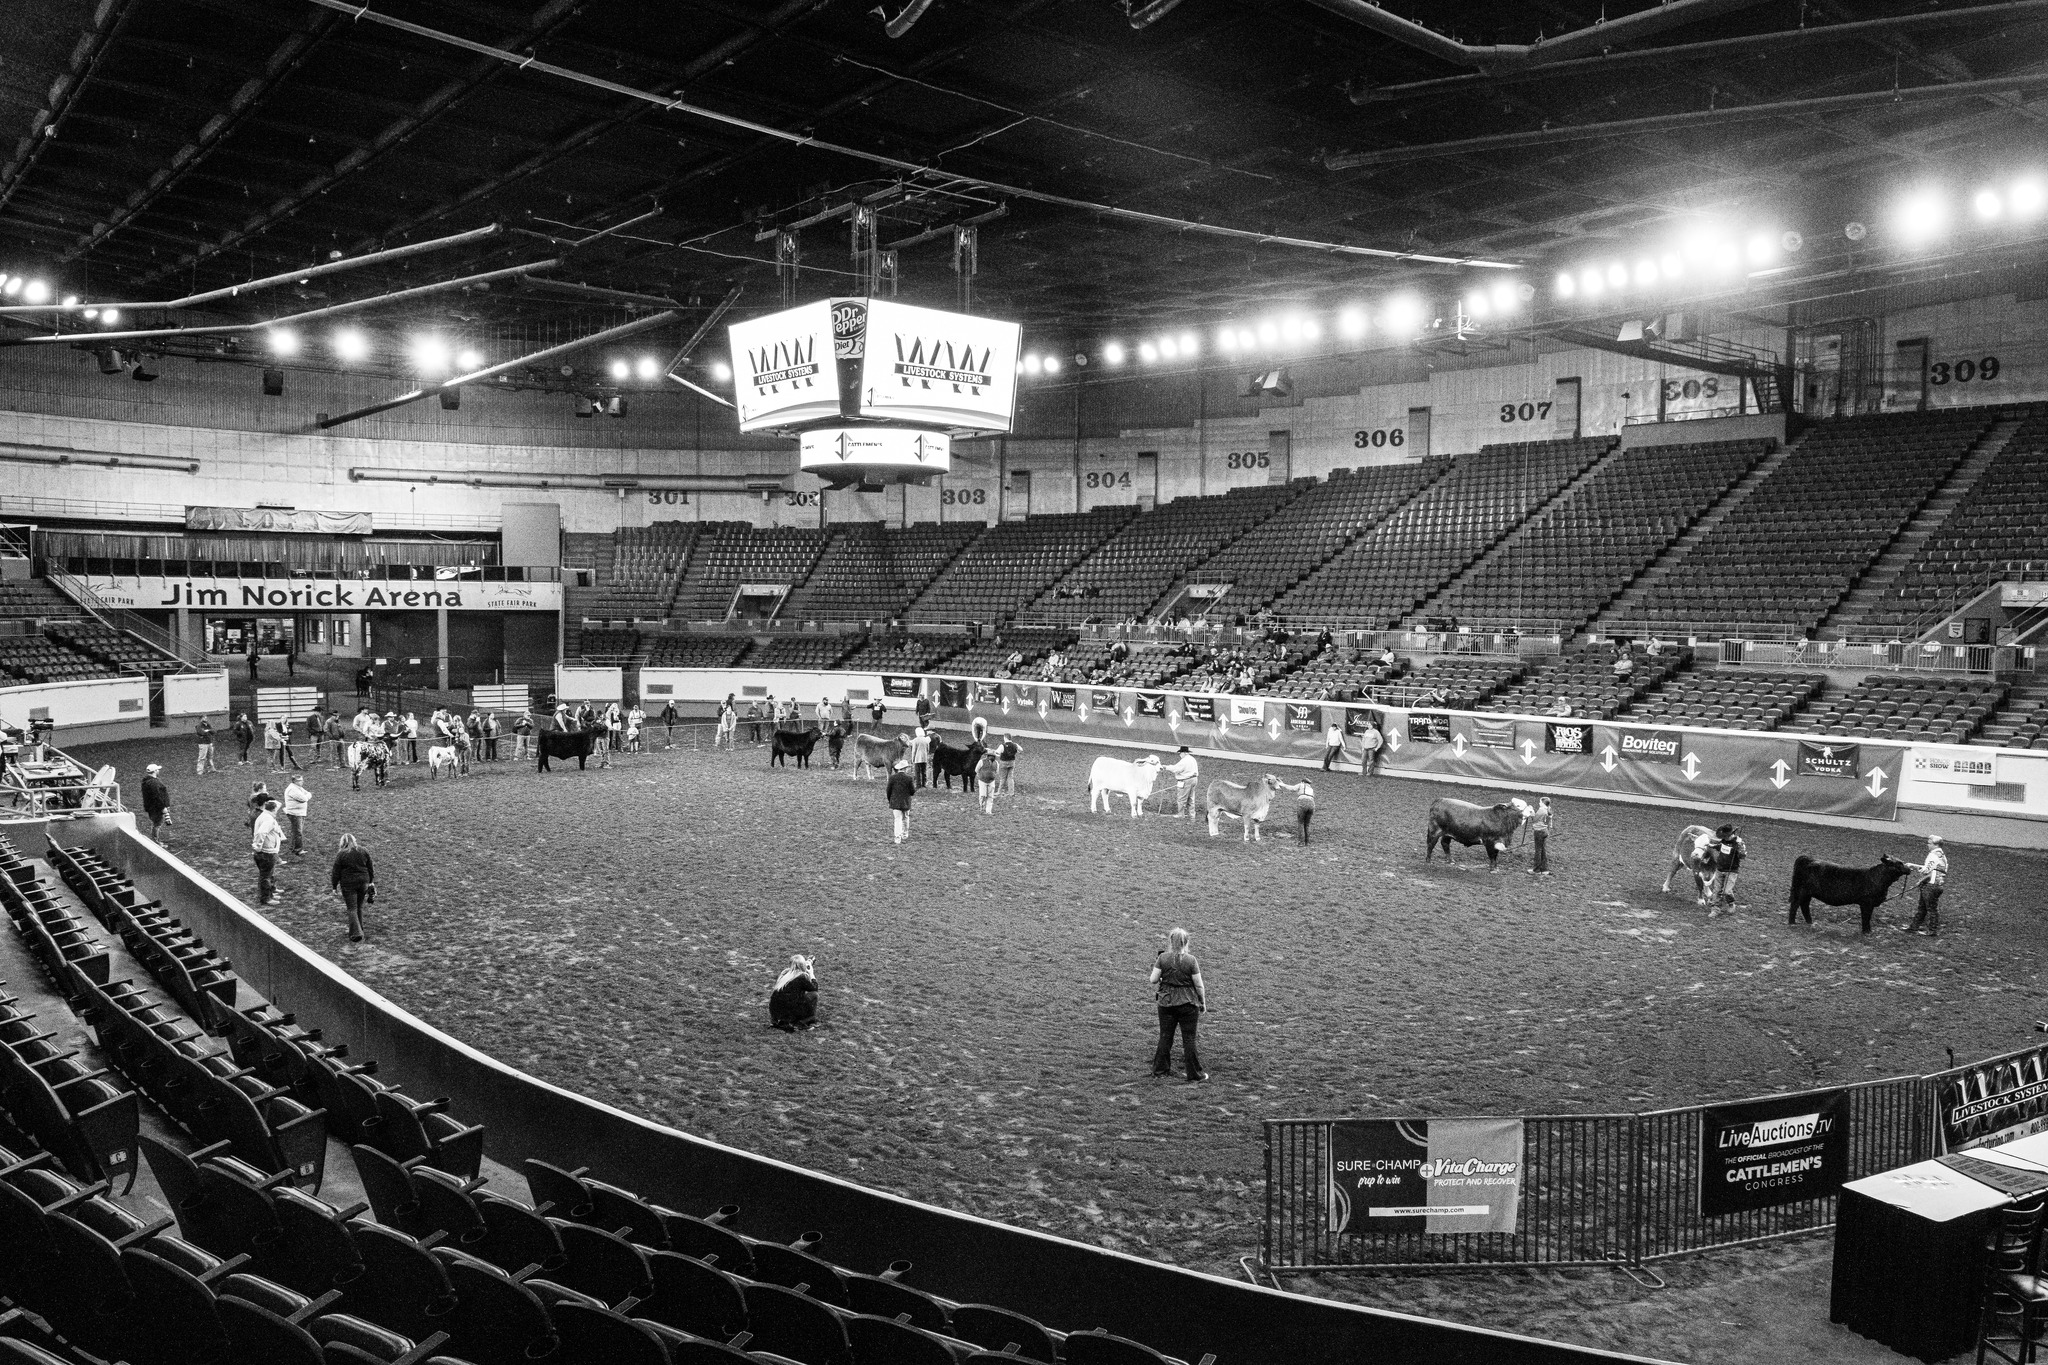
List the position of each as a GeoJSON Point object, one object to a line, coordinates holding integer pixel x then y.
{"type": "Point", "coordinates": [1065, 1284]}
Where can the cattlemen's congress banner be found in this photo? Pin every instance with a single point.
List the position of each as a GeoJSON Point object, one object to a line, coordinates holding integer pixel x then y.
{"type": "Point", "coordinates": [1763, 1153]}
{"type": "Point", "coordinates": [1425, 1175]}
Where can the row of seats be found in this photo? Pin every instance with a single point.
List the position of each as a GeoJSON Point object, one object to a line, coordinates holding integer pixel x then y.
{"type": "Point", "coordinates": [1727, 700]}
{"type": "Point", "coordinates": [42, 659]}
{"type": "Point", "coordinates": [870, 573]}
{"type": "Point", "coordinates": [903, 654]}
{"type": "Point", "coordinates": [696, 651]}
{"type": "Point", "coordinates": [32, 599]}
{"type": "Point", "coordinates": [1902, 706]}
{"type": "Point", "coordinates": [114, 648]}
{"type": "Point", "coordinates": [1014, 562]}
{"type": "Point", "coordinates": [987, 658]}
{"type": "Point", "coordinates": [803, 652]}
{"type": "Point", "coordinates": [1586, 683]}
{"type": "Point", "coordinates": [1339, 675]}
{"type": "Point", "coordinates": [1459, 683]}
{"type": "Point", "coordinates": [729, 554]}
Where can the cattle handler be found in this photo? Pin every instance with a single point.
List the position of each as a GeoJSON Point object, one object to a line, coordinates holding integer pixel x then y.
{"type": "Point", "coordinates": [1933, 870]}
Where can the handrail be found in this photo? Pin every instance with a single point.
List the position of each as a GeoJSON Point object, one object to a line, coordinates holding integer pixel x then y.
{"type": "Point", "coordinates": [128, 622]}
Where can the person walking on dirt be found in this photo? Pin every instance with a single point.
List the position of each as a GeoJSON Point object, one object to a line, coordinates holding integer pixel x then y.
{"type": "Point", "coordinates": [354, 879]}
{"type": "Point", "coordinates": [1184, 772]}
{"type": "Point", "coordinates": [245, 735]}
{"type": "Point", "coordinates": [878, 709]}
{"type": "Point", "coordinates": [1181, 997]}
{"type": "Point", "coordinates": [266, 838]}
{"type": "Point", "coordinates": [1304, 805]}
{"type": "Point", "coordinates": [668, 723]}
{"type": "Point", "coordinates": [1933, 870]}
{"type": "Point", "coordinates": [203, 732]}
{"type": "Point", "coordinates": [296, 799]}
{"type": "Point", "coordinates": [156, 800]}
{"type": "Point", "coordinates": [902, 789]}
{"type": "Point", "coordinates": [1006, 766]}
{"type": "Point", "coordinates": [1539, 832]}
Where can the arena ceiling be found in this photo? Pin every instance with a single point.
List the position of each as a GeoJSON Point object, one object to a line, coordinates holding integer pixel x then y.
{"type": "Point", "coordinates": [1124, 168]}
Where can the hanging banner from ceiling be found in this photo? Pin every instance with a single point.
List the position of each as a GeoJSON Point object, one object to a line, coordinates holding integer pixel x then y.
{"type": "Point", "coordinates": [783, 367]}
{"type": "Point", "coordinates": [275, 519]}
{"type": "Point", "coordinates": [948, 369]}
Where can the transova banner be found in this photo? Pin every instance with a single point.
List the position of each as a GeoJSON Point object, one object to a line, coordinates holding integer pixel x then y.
{"type": "Point", "coordinates": [1763, 1153]}
{"type": "Point", "coordinates": [1425, 1175]}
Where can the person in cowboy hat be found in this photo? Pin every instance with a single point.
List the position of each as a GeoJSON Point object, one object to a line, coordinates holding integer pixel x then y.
{"type": "Point", "coordinates": [902, 788]}
{"type": "Point", "coordinates": [1184, 772]}
{"type": "Point", "coordinates": [1933, 870]}
{"type": "Point", "coordinates": [156, 800]}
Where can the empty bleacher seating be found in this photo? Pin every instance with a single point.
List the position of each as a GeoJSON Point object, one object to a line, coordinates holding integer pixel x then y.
{"type": "Point", "coordinates": [990, 657]}
{"type": "Point", "coordinates": [1905, 706]}
{"type": "Point", "coordinates": [1012, 563]}
{"type": "Point", "coordinates": [1578, 555]}
{"type": "Point", "coordinates": [695, 651]}
{"type": "Point", "coordinates": [729, 554]}
{"type": "Point", "coordinates": [1790, 551]}
{"type": "Point", "coordinates": [1340, 673]}
{"type": "Point", "coordinates": [1587, 683]}
{"type": "Point", "coordinates": [1386, 573]}
{"type": "Point", "coordinates": [903, 654]}
{"type": "Point", "coordinates": [1459, 683]}
{"type": "Point", "coordinates": [1727, 699]}
{"type": "Point", "coordinates": [800, 651]}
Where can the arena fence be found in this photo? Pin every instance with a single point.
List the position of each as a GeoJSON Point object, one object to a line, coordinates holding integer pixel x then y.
{"type": "Point", "coordinates": [1597, 1189]}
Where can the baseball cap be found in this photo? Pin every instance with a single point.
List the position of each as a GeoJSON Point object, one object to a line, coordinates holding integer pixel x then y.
{"type": "Point", "coordinates": [902, 765]}
{"type": "Point", "coordinates": [1934, 838]}
{"type": "Point", "coordinates": [154, 768]}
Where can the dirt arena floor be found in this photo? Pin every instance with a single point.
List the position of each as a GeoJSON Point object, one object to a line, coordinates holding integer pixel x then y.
{"type": "Point", "coordinates": [988, 1028]}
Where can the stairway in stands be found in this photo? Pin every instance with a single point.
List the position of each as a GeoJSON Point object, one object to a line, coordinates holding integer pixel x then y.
{"type": "Point", "coordinates": [1876, 581]}
{"type": "Point", "coordinates": [1623, 607]}
{"type": "Point", "coordinates": [1430, 606]}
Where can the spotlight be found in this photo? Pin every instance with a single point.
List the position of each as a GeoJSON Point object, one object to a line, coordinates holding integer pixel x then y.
{"type": "Point", "coordinates": [1592, 283]}
{"type": "Point", "coordinates": [1989, 204]}
{"type": "Point", "coordinates": [109, 316]}
{"type": "Point", "coordinates": [351, 344]}
{"type": "Point", "coordinates": [430, 355]}
{"type": "Point", "coordinates": [1617, 275]}
{"type": "Point", "coordinates": [1922, 218]}
{"type": "Point", "coordinates": [1269, 335]}
{"type": "Point", "coordinates": [1476, 305]}
{"type": "Point", "coordinates": [621, 370]}
{"type": "Point", "coordinates": [36, 292]}
{"type": "Point", "coordinates": [1052, 364]}
{"type": "Point", "coordinates": [1246, 341]}
{"type": "Point", "coordinates": [1226, 339]}
{"type": "Point", "coordinates": [273, 382]}
{"type": "Point", "coordinates": [283, 341]}
{"type": "Point", "coordinates": [1727, 259]}
{"type": "Point", "coordinates": [1566, 285]}
{"type": "Point", "coordinates": [1671, 265]}
{"type": "Point", "coordinates": [1351, 323]}
{"type": "Point", "coordinates": [1405, 315]}
{"type": "Point", "coordinates": [12, 287]}
{"type": "Point", "coordinates": [646, 367]}
{"type": "Point", "coordinates": [92, 314]}
{"type": "Point", "coordinates": [720, 371]}
{"type": "Point", "coordinates": [1763, 249]}
{"type": "Point", "coordinates": [1189, 347]}
{"type": "Point", "coordinates": [2026, 198]}
{"type": "Point", "coordinates": [1646, 272]}
{"type": "Point", "coordinates": [1147, 352]}
{"type": "Point", "coordinates": [470, 359]}
{"type": "Point", "coordinates": [1290, 328]}
{"type": "Point", "coordinates": [1169, 349]}
{"type": "Point", "coordinates": [1032, 364]}
{"type": "Point", "coordinates": [69, 301]}
{"type": "Point", "coordinates": [1113, 353]}
{"type": "Point", "coordinates": [1505, 297]}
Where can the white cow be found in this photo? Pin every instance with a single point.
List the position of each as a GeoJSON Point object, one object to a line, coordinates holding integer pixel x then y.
{"type": "Point", "coordinates": [1134, 779]}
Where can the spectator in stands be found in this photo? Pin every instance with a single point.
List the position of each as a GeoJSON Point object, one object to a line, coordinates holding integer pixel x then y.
{"type": "Point", "coordinates": [1539, 831]}
{"type": "Point", "coordinates": [203, 732]}
{"type": "Point", "coordinates": [296, 799]}
{"type": "Point", "coordinates": [366, 678]}
{"type": "Point", "coordinates": [1333, 744]}
{"type": "Point", "coordinates": [1933, 870]}
{"type": "Point", "coordinates": [1560, 708]}
{"type": "Point", "coordinates": [1388, 658]}
{"type": "Point", "coordinates": [1624, 666]}
{"type": "Point", "coordinates": [1184, 771]}
{"type": "Point", "coordinates": [354, 879]}
{"type": "Point", "coordinates": [1324, 639]}
{"type": "Point", "coordinates": [245, 735]}
{"type": "Point", "coordinates": [156, 800]}
{"type": "Point", "coordinates": [1654, 649]}
{"type": "Point", "coordinates": [902, 788]}
{"type": "Point", "coordinates": [920, 755]}
{"type": "Point", "coordinates": [1181, 997]}
{"type": "Point", "coordinates": [266, 837]}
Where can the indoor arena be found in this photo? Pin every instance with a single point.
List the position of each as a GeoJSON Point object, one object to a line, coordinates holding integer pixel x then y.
{"type": "Point", "coordinates": [1102, 682]}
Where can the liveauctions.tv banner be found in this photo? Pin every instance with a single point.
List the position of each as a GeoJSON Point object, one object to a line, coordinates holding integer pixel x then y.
{"type": "Point", "coordinates": [1763, 1153]}
{"type": "Point", "coordinates": [1425, 1175]}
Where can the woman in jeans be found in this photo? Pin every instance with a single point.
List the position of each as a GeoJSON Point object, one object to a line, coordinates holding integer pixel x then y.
{"type": "Point", "coordinates": [1181, 998]}
{"type": "Point", "coordinates": [354, 879]}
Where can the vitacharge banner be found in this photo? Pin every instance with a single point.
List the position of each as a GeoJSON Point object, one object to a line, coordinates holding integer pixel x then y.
{"type": "Point", "coordinates": [1425, 1175]}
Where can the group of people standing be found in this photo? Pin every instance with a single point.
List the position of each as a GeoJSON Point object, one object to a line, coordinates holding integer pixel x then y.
{"type": "Point", "coordinates": [623, 727]}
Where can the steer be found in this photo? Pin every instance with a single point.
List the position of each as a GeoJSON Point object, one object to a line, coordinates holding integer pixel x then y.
{"type": "Point", "coordinates": [1249, 804]}
{"type": "Point", "coordinates": [876, 754]}
{"type": "Point", "coordinates": [796, 744]}
{"type": "Point", "coordinates": [576, 744]}
{"type": "Point", "coordinates": [949, 763]}
{"type": "Point", "coordinates": [1488, 826]}
{"type": "Point", "coordinates": [1133, 778]}
{"type": "Point", "coordinates": [1832, 884]}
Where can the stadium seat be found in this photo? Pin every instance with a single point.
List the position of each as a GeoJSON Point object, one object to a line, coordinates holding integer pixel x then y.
{"type": "Point", "coordinates": [1000, 1329]}
{"type": "Point", "coordinates": [787, 1323]}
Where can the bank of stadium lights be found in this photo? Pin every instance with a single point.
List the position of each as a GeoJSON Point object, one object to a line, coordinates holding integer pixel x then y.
{"type": "Point", "coordinates": [469, 359]}
{"type": "Point", "coordinates": [720, 371]}
{"type": "Point", "coordinates": [350, 344]}
{"type": "Point", "coordinates": [1113, 353]}
{"type": "Point", "coordinates": [282, 341]}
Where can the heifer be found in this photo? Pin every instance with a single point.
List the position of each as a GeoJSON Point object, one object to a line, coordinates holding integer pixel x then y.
{"type": "Point", "coordinates": [1132, 778]}
{"type": "Point", "coordinates": [949, 763]}
{"type": "Point", "coordinates": [875, 753]}
{"type": "Point", "coordinates": [796, 744]}
{"type": "Point", "coordinates": [576, 744]}
{"type": "Point", "coordinates": [369, 755]}
{"type": "Point", "coordinates": [1713, 857]}
{"type": "Point", "coordinates": [793, 1003]}
{"type": "Point", "coordinates": [1831, 884]}
{"type": "Point", "coordinates": [1249, 804]}
{"type": "Point", "coordinates": [1491, 827]}
{"type": "Point", "coordinates": [443, 757]}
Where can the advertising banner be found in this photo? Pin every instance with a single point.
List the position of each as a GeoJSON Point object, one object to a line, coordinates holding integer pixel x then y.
{"type": "Point", "coordinates": [293, 521]}
{"type": "Point", "coordinates": [1429, 727]}
{"type": "Point", "coordinates": [1247, 711]}
{"type": "Point", "coordinates": [321, 594]}
{"type": "Point", "coordinates": [1425, 1175]}
{"type": "Point", "coordinates": [1821, 758]}
{"type": "Point", "coordinates": [1650, 746]}
{"type": "Point", "coordinates": [1199, 710]}
{"type": "Point", "coordinates": [1493, 734]}
{"type": "Point", "coordinates": [783, 367]}
{"type": "Point", "coordinates": [1567, 737]}
{"type": "Point", "coordinates": [1101, 699]}
{"type": "Point", "coordinates": [1358, 720]}
{"type": "Point", "coordinates": [1993, 1103]}
{"type": "Point", "coordinates": [1304, 716]}
{"type": "Point", "coordinates": [952, 692]}
{"type": "Point", "coordinates": [896, 685]}
{"type": "Point", "coordinates": [948, 369]}
{"type": "Point", "coordinates": [1062, 698]}
{"type": "Point", "coordinates": [830, 452]}
{"type": "Point", "coordinates": [988, 692]}
{"type": "Point", "coordinates": [1961, 767]}
{"type": "Point", "coordinates": [1152, 704]}
{"type": "Point", "coordinates": [1763, 1153]}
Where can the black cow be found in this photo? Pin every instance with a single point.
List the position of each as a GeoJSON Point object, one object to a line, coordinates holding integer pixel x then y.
{"type": "Point", "coordinates": [1832, 884]}
{"type": "Point", "coordinates": [576, 744]}
{"type": "Point", "coordinates": [1491, 827]}
{"type": "Point", "coordinates": [949, 762]}
{"type": "Point", "coordinates": [796, 744]}
{"type": "Point", "coordinates": [793, 1004]}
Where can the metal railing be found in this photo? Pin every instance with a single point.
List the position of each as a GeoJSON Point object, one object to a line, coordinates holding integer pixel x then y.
{"type": "Point", "coordinates": [129, 622]}
{"type": "Point", "coordinates": [1597, 1189]}
{"type": "Point", "coordinates": [80, 792]}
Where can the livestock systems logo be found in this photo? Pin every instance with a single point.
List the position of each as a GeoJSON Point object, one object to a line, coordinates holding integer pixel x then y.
{"type": "Point", "coordinates": [791, 361]}
{"type": "Point", "coordinates": [1770, 1152]}
{"type": "Point", "coordinates": [924, 359]}
{"type": "Point", "coordinates": [1987, 1105]}
{"type": "Point", "coordinates": [1430, 1176]}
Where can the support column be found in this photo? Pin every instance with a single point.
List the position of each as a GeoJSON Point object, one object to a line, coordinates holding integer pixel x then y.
{"type": "Point", "coordinates": [441, 648]}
